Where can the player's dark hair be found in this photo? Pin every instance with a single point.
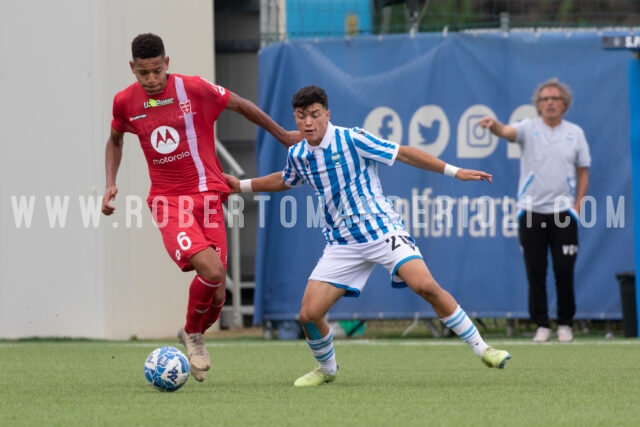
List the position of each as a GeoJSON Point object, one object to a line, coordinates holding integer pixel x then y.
{"type": "Point", "coordinates": [309, 95]}
{"type": "Point", "coordinates": [146, 46]}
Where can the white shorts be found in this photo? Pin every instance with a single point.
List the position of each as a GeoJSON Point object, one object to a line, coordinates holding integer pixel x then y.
{"type": "Point", "coordinates": [349, 266]}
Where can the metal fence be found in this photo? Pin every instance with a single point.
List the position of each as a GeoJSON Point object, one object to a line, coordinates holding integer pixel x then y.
{"type": "Point", "coordinates": [332, 18]}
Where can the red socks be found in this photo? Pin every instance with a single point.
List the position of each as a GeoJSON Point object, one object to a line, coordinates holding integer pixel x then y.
{"type": "Point", "coordinates": [211, 316]}
{"type": "Point", "coordinates": [200, 308]}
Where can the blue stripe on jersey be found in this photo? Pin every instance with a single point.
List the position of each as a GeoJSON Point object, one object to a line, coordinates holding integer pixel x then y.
{"type": "Point", "coordinates": [351, 199]}
{"type": "Point", "coordinates": [334, 222]}
{"type": "Point", "coordinates": [372, 148]}
{"type": "Point", "coordinates": [344, 175]}
{"type": "Point", "coordinates": [292, 173]}
{"type": "Point", "coordinates": [374, 167]}
{"type": "Point", "coordinates": [337, 184]}
{"type": "Point", "coordinates": [307, 167]}
{"type": "Point", "coordinates": [368, 175]}
{"type": "Point", "coordinates": [359, 187]}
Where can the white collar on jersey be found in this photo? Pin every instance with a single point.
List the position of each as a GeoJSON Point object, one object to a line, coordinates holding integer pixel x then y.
{"type": "Point", "coordinates": [328, 136]}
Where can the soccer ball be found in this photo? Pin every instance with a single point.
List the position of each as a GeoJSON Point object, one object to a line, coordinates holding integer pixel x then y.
{"type": "Point", "coordinates": [166, 369]}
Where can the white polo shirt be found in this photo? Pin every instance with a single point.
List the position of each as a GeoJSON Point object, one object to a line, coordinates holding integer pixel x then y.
{"type": "Point", "coordinates": [548, 162]}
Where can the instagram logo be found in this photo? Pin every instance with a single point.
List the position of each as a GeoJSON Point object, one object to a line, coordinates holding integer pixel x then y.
{"type": "Point", "coordinates": [474, 141]}
{"type": "Point", "coordinates": [477, 136]}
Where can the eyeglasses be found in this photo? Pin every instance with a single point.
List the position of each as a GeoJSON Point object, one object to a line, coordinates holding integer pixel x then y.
{"type": "Point", "coordinates": [550, 98]}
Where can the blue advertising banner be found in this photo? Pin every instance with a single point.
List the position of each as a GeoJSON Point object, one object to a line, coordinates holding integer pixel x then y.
{"type": "Point", "coordinates": [429, 91]}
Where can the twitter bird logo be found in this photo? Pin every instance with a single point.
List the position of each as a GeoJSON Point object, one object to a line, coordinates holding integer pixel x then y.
{"type": "Point", "coordinates": [429, 134]}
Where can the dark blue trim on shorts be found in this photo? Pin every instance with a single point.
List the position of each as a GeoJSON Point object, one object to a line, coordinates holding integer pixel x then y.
{"type": "Point", "coordinates": [401, 284]}
{"type": "Point", "coordinates": [351, 292]}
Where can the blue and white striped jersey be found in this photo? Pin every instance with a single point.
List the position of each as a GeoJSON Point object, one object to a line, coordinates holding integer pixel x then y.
{"type": "Point", "coordinates": [343, 170]}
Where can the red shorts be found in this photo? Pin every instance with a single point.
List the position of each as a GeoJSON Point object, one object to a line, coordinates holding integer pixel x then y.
{"type": "Point", "coordinates": [190, 224]}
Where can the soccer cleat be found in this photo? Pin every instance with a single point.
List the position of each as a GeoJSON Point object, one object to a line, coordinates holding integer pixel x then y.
{"type": "Point", "coordinates": [314, 378]}
{"type": "Point", "coordinates": [495, 358]}
{"type": "Point", "coordinates": [196, 351]}
{"type": "Point", "coordinates": [196, 373]}
{"type": "Point", "coordinates": [542, 335]}
{"type": "Point", "coordinates": [565, 334]}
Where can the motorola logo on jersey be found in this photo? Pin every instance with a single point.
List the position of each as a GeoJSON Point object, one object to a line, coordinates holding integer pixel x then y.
{"type": "Point", "coordinates": [165, 139]}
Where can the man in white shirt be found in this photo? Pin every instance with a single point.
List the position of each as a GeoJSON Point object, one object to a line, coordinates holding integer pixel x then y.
{"type": "Point", "coordinates": [554, 176]}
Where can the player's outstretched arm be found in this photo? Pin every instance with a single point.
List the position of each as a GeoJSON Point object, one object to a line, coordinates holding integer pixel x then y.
{"type": "Point", "coordinates": [113, 157]}
{"type": "Point", "coordinates": [498, 128]}
{"type": "Point", "coordinates": [418, 158]}
{"type": "Point", "coordinates": [255, 115]}
{"type": "Point", "coordinates": [473, 175]}
{"type": "Point", "coordinates": [268, 183]}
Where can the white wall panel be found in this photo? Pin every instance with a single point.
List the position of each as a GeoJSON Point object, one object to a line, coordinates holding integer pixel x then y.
{"type": "Point", "coordinates": [61, 63]}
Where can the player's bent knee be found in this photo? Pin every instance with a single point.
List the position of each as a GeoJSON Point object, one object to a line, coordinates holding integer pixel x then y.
{"type": "Point", "coordinates": [307, 316]}
{"type": "Point", "coordinates": [212, 275]}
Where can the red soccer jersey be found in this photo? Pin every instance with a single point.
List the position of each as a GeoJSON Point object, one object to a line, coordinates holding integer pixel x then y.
{"type": "Point", "coordinates": [175, 129]}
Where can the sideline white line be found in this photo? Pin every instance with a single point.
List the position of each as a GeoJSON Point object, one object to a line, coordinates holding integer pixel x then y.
{"type": "Point", "coordinates": [429, 342]}
{"type": "Point", "coordinates": [501, 342]}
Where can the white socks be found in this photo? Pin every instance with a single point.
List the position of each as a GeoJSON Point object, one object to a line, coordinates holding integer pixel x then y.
{"type": "Point", "coordinates": [460, 323]}
{"type": "Point", "coordinates": [322, 350]}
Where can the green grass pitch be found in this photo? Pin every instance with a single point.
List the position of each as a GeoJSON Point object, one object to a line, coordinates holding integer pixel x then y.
{"type": "Point", "coordinates": [382, 382]}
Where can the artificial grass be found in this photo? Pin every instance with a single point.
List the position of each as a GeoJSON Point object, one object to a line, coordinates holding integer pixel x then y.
{"type": "Point", "coordinates": [402, 382]}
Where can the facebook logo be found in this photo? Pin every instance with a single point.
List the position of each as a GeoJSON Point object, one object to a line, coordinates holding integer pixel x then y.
{"type": "Point", "coordinates": [386, 128]}
{"type": "Point", "coordinates": [385, 123]}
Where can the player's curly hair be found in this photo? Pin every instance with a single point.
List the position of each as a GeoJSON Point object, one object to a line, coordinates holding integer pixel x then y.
{"type": "Point", "coordinates": [565, 92]}
{"type": "Point", "coordinates": [146, 46]}
{"type": "Point", "coordinates": [309, 95]}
